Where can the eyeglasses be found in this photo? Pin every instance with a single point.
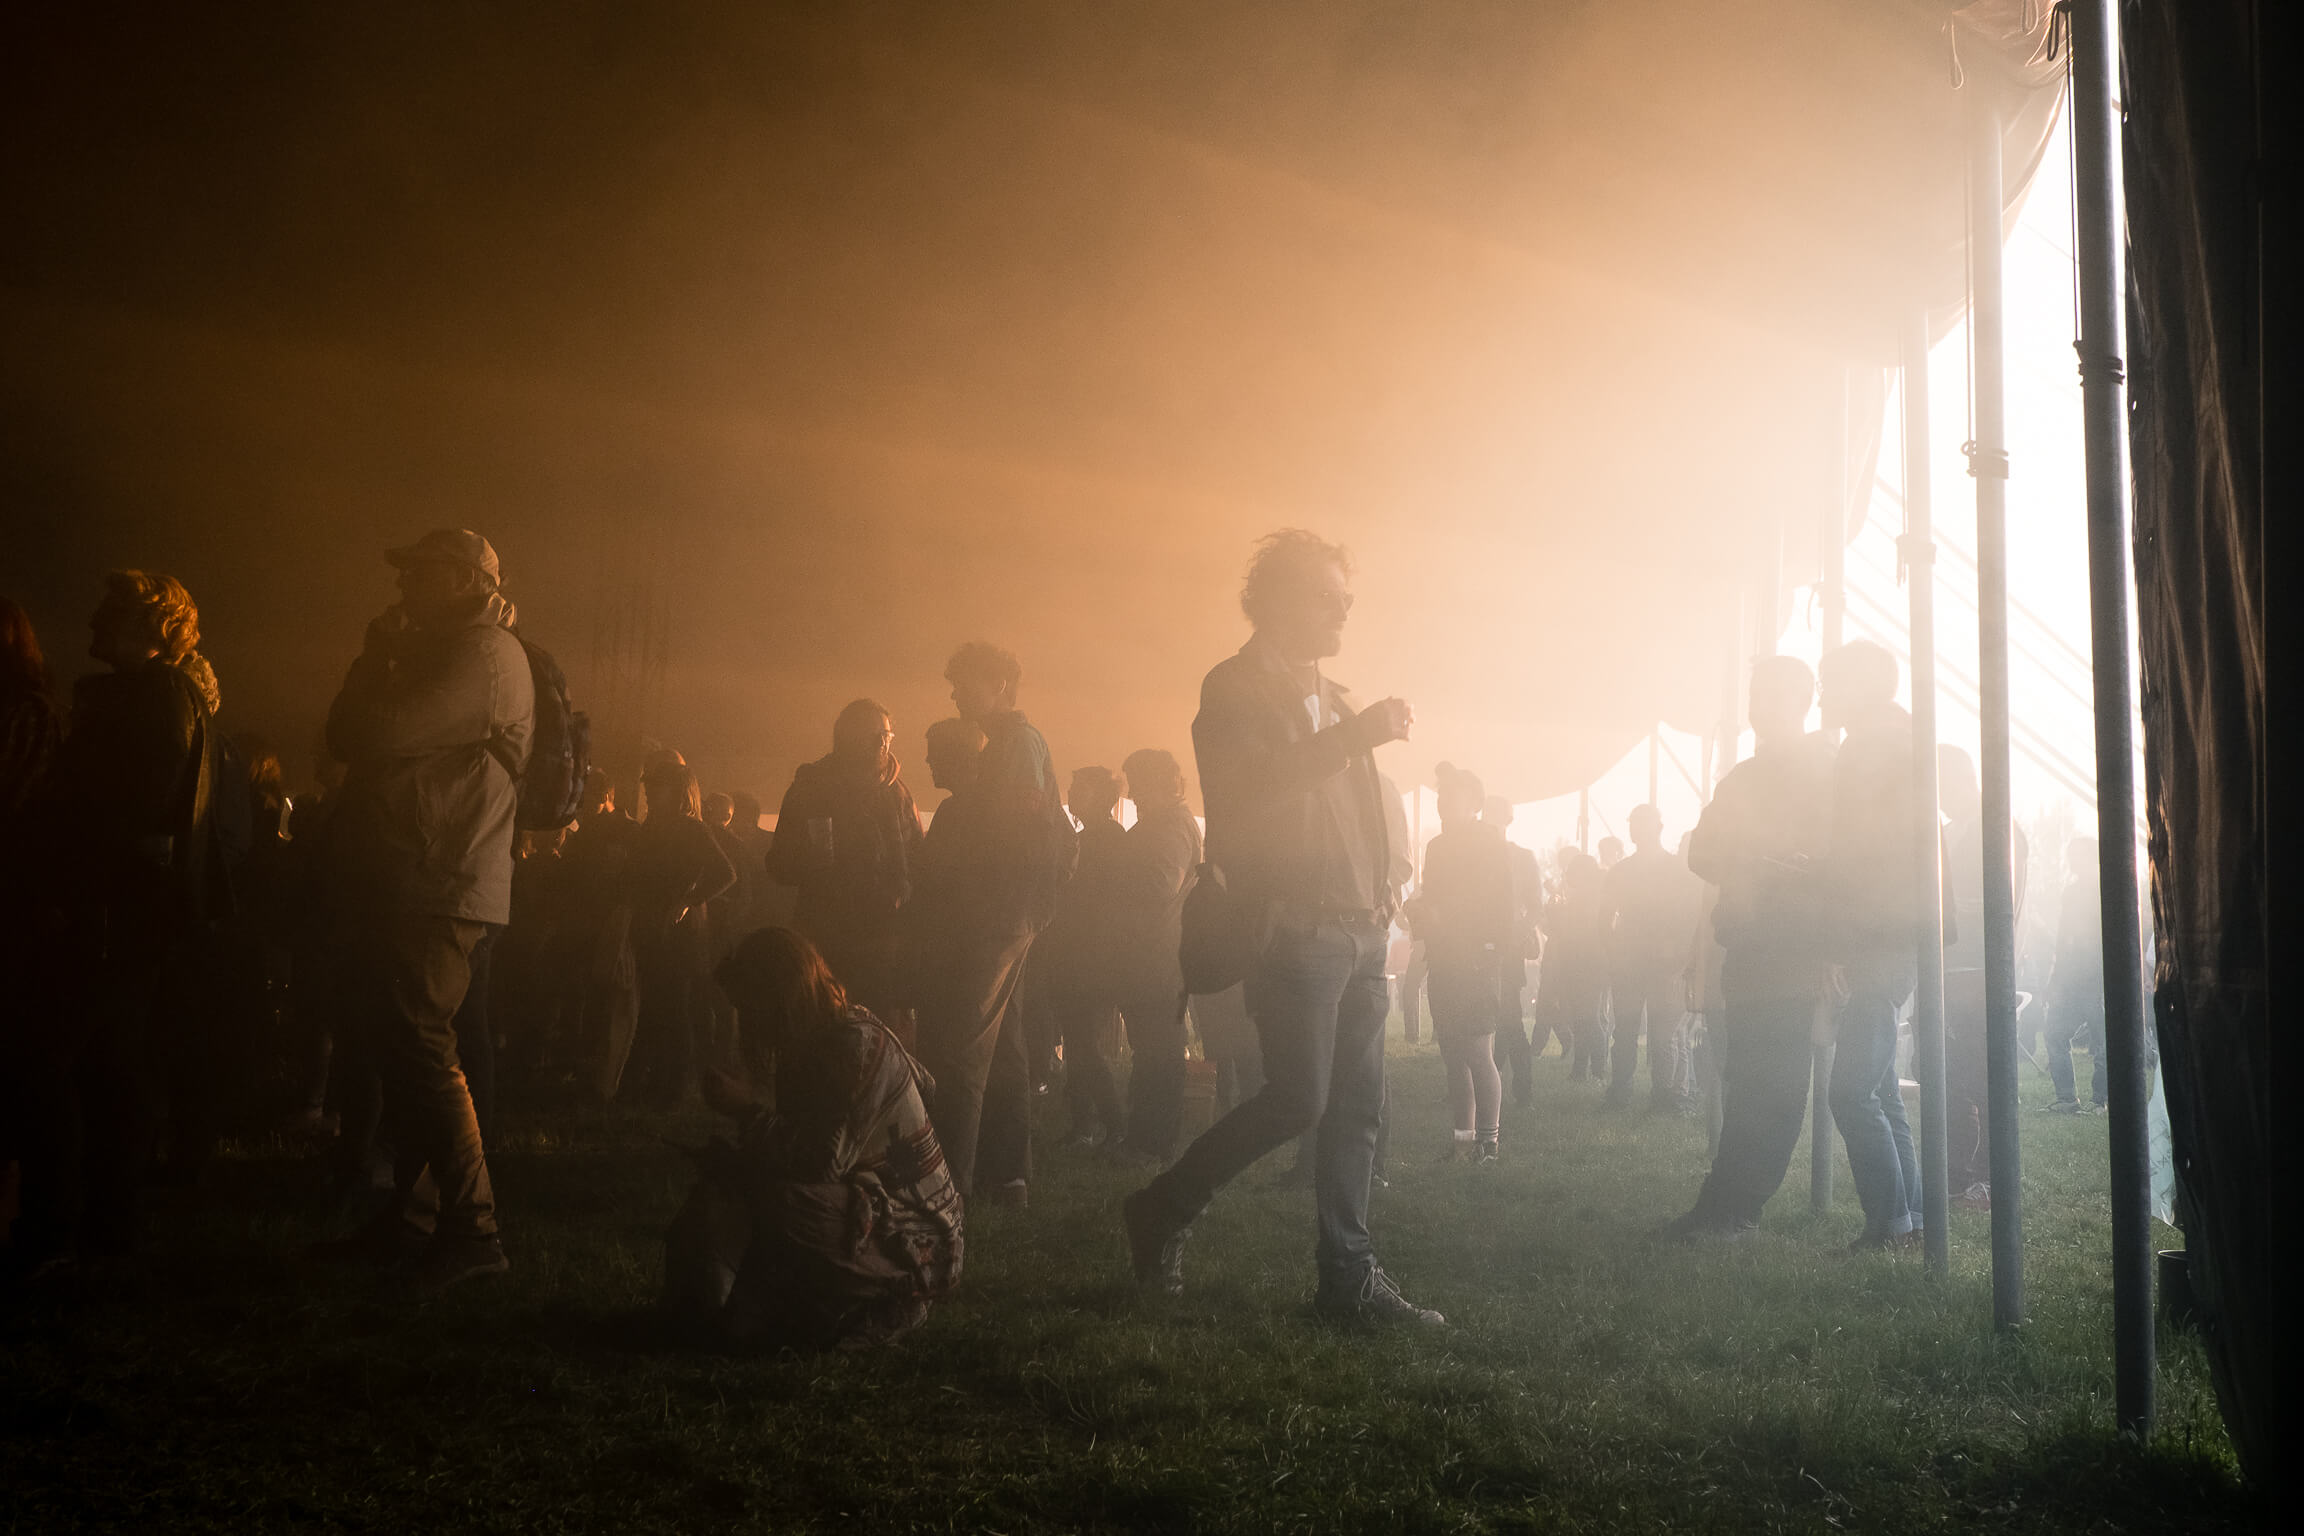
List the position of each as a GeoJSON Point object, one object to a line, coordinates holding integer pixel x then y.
{"type": "Point", "coordinates": [1334, 598]}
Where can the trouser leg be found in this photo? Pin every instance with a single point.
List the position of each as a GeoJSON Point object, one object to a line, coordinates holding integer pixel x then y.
{"type": "Point", "coordinates": [1346, 1139]}
{"type": "Point", "coordinates": [1765, 1052]}
{"type": "Point", "coordinates": [1296, 998]}
{"type": "Point", "coordinates": [2063, 1024]}
{"type": "Point", "coordinates": [1663, 1003]}
{"type": "Point", "coordinates": [2100, 1070]}
{"type": "Point", "coordinates": [1004, 1141]}
{"type": "Point", "coordinates": [960, 1024]}
{"type": "Point", "coordinates": [1156, 1082]}
{"type": "Point", "coordinates": [1089, 1093]}
{"type": "Point", "coordinates": [422, 969]}
{"type": "Point", "coordinates": [1863, 1068]}
{"type": "Point", "coordinates": [476, 1035]}
{"type": "Point", "coordinates": [1624, 1053]}
{"type": "Point", "coordinates": [1412, 994]}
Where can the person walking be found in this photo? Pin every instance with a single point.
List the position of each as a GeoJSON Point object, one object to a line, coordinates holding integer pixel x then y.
{"type": "Point", "coordinates": [1288, 773]}
{"type": "Point", "coordinates": [434, 721]}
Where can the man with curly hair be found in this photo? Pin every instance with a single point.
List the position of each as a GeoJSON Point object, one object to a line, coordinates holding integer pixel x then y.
{"type": "Point", "coordinates": [1296, 825]}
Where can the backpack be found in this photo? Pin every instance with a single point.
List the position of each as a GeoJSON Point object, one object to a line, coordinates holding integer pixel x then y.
{"type": "Point", "coordinates": [559, 750]}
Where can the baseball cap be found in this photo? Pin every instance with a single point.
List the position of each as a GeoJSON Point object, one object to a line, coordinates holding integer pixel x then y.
{"type": "Point", "coordinates": [449, 546]}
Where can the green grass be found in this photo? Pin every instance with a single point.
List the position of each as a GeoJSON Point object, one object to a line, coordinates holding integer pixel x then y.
{"type": "Point", "coordinates": [1590, 1380]}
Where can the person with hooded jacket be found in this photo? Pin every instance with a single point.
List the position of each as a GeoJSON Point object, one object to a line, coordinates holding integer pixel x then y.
{"type": "Point", "coordinates": [434, 721]}
{"type": "Point", "coordinates": [848, 839]}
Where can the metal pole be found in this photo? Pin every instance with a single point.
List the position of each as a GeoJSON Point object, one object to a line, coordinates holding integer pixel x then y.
{"type": "Point", "coordinates": [2125, 1049]}
{"type": "Point", "coordinates": [1653, 731]}
{"type": "Point", "coordinates": [1918, 547]}
{"type": "Point", "coordinates": [1832, 568]}
{"type": "Point", "coordinates": [1988, 463]}
{"type": "Point", "coordinates": [1584, 819]}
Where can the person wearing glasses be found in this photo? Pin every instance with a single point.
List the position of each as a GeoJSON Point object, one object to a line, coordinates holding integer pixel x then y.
{"type": "Point", "coordinates": [1296, 824]}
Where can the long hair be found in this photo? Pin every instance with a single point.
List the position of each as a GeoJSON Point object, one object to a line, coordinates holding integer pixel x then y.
{"type": "Point", "coordinates": [672, 791]}
{"type": "Point", "coordinates": [170, 621]}
{"type": "Point", "coordinates": [859, 734]}
{"type": "Point", "coordinates": [23, 669]}
{"type": "Point", "coordinates": [775, 976]}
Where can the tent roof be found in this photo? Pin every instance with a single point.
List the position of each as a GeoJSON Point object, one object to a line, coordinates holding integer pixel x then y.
{"type": "Point", "coordinates": [781, 348]}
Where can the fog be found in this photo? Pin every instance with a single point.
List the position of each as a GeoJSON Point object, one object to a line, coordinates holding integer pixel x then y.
{"type": "Point", "coordinates": [779, 348]}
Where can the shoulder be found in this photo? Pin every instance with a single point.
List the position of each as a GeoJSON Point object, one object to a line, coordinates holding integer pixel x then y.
{"type": "Point", "coordinates": [1230, 680]}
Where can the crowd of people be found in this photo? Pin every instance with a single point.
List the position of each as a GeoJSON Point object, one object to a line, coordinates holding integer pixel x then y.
{"type": "Point", "coordinates": [461, 910]}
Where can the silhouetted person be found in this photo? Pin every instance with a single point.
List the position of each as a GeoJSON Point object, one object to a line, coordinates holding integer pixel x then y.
{"type": "Point", "coordinates": [1160, 857]}
{"type": "Point", "coordinates": [1075, 966]}
{"type": "Point", "coordinates": [2076, 984]}
{"type": "Point", "coordinates": [847, 838]}
{"type": "Point", "coordinates": [1572, 984]}
{"type": "Point", "coordinates": [1515, 1053]}
{"type": "Point", "coordinates": [596, 952]}
{"type": "Point", "coordinates": [1757, 841]}
{"type": "Point", "coordinates": [1871, 891]}
{"type": "Point", "coordinates": [434, 720]}
{"type": "Point", "coordinates": [32, 1047]}
{"type": "Point", "coordinates": [1610, 853]}
{"type": "Point", "coordinates": [1471, 921]}
{"type": "Point", "coordinates": [131, 853]}
{"type": "Point", "coordinates": [771, 900]}
{"type": "Point", "coordinates": [831, 1222]}
{"type": "Point", "coordinates": [1653, 900]}
{"type": "Point", "coordinates": [678, 870]}
{"type": "Point", "coordinates": [1007, 873]}
{"type": "Point", "coordinates": [1296, 823]}
{"type": "Point", "coordinates": [1967, 1093]}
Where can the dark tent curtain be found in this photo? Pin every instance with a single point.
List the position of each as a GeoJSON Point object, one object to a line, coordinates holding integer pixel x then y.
{"type": "Point", "coordinates": [2197, 435]}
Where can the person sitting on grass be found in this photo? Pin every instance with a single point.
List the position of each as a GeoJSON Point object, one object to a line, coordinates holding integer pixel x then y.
{"type": "Point", "coordinates": [830, 1222]}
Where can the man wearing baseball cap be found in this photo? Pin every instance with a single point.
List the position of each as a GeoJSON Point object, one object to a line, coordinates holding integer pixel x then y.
{"type": "Point", "coordinates": [434, 722]}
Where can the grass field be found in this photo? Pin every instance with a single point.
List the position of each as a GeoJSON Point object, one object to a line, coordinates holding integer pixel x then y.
{"type": "Point", "coordinates": [1589, 1381]}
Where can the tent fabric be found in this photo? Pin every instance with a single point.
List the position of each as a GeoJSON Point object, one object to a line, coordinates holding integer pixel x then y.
{"type": "Point", "coordinates": [2196, 438]}
{"type": "Point", "coordinates": [780, 347]}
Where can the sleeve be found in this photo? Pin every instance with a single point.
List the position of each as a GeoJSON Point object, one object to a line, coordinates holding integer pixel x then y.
{"type": "Point", "coordinates": [1244, 769]}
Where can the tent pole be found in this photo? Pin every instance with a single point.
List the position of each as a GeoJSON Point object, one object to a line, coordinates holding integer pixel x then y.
{"type": "Point", "coordinates": [1988, 463]}
{"type": "Point", "coordinates": [1653, 730]}
{"type": "Point", "coordinates": [1918, 547]}
{"type": "Point", "coordinates": [2125, 1043]}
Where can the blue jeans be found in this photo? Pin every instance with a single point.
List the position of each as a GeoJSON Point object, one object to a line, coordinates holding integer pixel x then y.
{"type": "Point", "coordinates": [1319, 995]}
{"type": "Point", "coordinates": [1868, 1105]}
{"type": "Point", "coordinates": [2077, 1014]}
